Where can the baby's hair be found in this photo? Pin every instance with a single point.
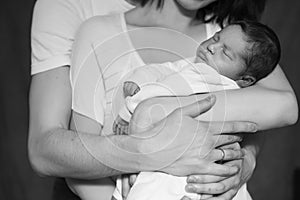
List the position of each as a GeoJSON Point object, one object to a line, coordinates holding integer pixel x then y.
{"type": "Point", "coordinates": [264, 52]}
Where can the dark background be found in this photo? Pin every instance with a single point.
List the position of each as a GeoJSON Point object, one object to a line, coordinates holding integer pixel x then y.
{"type": "Point", "coordinates": [275, 176]}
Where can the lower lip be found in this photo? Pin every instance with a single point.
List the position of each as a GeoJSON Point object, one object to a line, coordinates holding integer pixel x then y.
{"type": "Point", "coordinates": [202, 56]}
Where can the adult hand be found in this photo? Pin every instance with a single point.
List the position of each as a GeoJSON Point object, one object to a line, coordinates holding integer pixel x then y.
{"type": "Point", "coordinates": [224, 188]}
{"type": "Point", "coordinates": [181, 145]}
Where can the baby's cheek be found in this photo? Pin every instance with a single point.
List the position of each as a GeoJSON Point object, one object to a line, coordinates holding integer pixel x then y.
{"type": "Point", "coordinates": [231, 71]}
{"type": "Point", "coordinates": [214, 63]}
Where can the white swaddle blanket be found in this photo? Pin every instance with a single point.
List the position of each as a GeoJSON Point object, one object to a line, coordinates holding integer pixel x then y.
{"type": "Point", "coordinates": [158, 185]}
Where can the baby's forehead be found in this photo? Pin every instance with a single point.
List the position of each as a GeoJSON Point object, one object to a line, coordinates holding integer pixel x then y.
{"type": "Point", "coordinates": [234, 38]}
{"type": "Point", "coordinates": [232, 28]}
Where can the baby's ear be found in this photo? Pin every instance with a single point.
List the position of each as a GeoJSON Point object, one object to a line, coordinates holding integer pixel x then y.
{"type": "Point", "coordinates": [246, 81]}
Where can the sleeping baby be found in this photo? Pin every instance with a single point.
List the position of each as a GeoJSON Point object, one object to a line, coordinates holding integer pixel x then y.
{"type": "Point", "coordinates": [236, 57]}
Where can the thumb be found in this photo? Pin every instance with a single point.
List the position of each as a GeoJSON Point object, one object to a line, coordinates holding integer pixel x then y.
{"type": "Point", "coordinates": [199, 107]}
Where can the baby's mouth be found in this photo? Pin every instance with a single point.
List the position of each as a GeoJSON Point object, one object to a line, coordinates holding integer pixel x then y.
{"type": "Point", "coordinates": [201, 54]}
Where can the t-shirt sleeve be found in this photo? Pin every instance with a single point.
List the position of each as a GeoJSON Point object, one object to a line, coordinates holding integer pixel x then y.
{"type": "Point", "coordinates": [54, 25]}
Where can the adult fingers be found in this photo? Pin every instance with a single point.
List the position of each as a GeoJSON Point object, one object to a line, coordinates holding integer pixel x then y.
{"type": "Point", "coordinates": [204, 178]}
{"type": "Point", "coordinates": [232, 182]}
{"type": "Point", "coordinates": [221, 187]}
{"type": "Point", "coordinates": [205, 196]}
{"type": "Point", "coordinates": [230, 154]}
{"type": "Point", "coordinates": [219, 170]}
{"type": "Point", "coordinates": [234, 146]}
{"type": "Point", "coordinates": [232, 185]}
{"type": "Point", "coordinates": [222, 140]}
{"type": "Point", "coordinates": [225, 154]}
{"type": "Point", "coordinates": [230, 194]}
{"type": "Point", "coordinates": [199, 107]}
{"type": "Point", "coordinates": [232, 127]}
{"type": "Point", "coordinates": [209, 188]}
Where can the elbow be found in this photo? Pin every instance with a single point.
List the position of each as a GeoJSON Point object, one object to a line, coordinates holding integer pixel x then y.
{"type": "Point", "coordinates": [290, 109]}
{"type": "Point", "coordinates": [35, 157]}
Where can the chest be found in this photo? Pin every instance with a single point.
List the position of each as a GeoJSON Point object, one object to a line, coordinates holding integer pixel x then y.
{"type": "Point", "coordinates": [158, 45]}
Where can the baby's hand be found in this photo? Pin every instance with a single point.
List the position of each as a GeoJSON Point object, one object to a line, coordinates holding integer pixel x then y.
{"type": "Point", "coordinates": [130, 88]}
{"type": "Point", "coordinates": [120, 126]}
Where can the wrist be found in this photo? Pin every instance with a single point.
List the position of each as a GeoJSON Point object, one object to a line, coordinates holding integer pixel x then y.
{"type": "Point", "coordinates": [251, 151]}
{"type": "Point", "coordinates": [157, 148]}
{"type": "Point", "coordinates": [253, 143]}
{"type": "Point", "coordinates": [137, 153]}
{"type": "Point", "coordinates": [122, 153]}
{"type": "Point", "coordinates": [250, 160]}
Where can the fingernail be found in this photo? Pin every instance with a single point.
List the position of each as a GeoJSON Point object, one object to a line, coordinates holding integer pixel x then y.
{"type": "Point", "coordinates": [253, 127]}
{"type": "Point", "coordinates": [235, 170]}
{"type": "Point", "coordinates": [189, 188]}
{"type": "Point", "coordinates": [190, 179]}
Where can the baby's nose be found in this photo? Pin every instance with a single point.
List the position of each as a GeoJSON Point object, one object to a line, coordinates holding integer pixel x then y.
{"type": "Point", "coordinates": [213, 48]}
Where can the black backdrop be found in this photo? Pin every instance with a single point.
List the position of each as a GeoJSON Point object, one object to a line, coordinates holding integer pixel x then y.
{"type": "Point", "coordinates": [273, 178]}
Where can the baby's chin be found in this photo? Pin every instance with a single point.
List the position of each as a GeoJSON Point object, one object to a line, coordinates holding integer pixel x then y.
{"type": "Point", "coordinates": [199, 60]}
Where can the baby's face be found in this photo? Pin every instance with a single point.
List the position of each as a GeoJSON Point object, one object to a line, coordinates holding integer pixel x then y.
{"type": "Point", "coordinates": [223, 51]}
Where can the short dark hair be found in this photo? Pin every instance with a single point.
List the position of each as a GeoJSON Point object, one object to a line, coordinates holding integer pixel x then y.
{"type": "Point", "coordinates": [224, 11]}
{"type": "Point", "coordinates": [264, 52]}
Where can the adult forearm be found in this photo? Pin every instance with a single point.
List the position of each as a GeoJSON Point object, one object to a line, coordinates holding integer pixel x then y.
{"type": "Point", "coordinates": [66, 153]}
{"type": "Point", "coordinates": [271, 103]}
{"type": "Point", "coordinates": [268, 108]}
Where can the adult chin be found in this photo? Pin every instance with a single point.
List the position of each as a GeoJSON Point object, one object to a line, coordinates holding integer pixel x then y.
{"type": "Point", "coordinates": [194, 4]}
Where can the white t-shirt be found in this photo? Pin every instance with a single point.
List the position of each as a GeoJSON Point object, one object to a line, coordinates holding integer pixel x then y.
{"type": "Point", "coordinates": [103, 55]}
{"type": "Point", "coordinates": [54, 26]}
{"type": "Point", "coordinates": [158, 185]}
{"type": "Point", "coordinates": [180, 78]}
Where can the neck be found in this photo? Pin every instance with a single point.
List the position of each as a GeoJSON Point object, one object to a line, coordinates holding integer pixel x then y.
{"type": "Point", "coordinates": [171, 12]}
